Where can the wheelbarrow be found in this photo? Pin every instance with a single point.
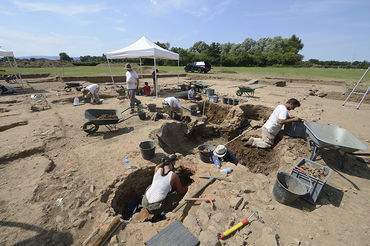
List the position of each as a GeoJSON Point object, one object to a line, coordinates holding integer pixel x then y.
{"type": "Point", "coordinates": [247, 90]}
{"type": "Point", "coordinates": [93, 123]}
{"type": "Point", "coordinates": [331, 137]}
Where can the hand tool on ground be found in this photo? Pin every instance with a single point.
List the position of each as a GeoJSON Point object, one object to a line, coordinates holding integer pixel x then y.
{"type": "Point", "coordinates": [116, 222]}
{"type": "Point", "coordinates": [240, 224]}
{"type": "Point", "coordinates": [211, 179]}
{"type": "Point", "coordinates": [301, 169]}
{"type": "Point", "coordinates": [208, 199]}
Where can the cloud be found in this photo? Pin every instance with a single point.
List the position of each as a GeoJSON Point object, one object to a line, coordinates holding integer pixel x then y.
{"type": "Point", "coordinates": [121, 29]}
{"type": "Point", "coordinates": [64, 9]}
{"type": "Point", "coordinates": [154, 2]}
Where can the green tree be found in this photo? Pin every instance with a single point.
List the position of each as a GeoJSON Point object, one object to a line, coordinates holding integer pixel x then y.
{"type": "Point", "coordinates": [163, 45]}
{"type": "Point", "coordinates": [64, 57]}
{"type": "Point", "coordinates": [199, 47]}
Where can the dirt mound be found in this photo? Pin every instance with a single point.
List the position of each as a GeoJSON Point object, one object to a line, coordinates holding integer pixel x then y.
{"type": "Point", "coordinates": [266, 161]}
{"type": "Point", "coordinates": [223, 71]}
{"type": "Point", "coordinates": [39, 63]}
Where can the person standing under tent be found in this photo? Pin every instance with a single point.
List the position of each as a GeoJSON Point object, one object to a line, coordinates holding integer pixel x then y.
{"type": "Point", "coordinates": [132, 81]}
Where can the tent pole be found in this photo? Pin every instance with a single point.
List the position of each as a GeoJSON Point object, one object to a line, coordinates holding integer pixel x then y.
{"type": "Point", "coordinates": [156, 81]}
{"type": "Point", "coordinates": [178, 70]}
{"type": "Point", "coordinates": [17, 70]}
{"type": "Point", "coordinates": [110, 70]}
{"type": "Point", "coordinates": [141, 70]}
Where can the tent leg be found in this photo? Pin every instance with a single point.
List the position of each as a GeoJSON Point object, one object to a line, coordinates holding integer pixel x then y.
{"type": "Point", "coordinates": [110, 70]}
{"type": "Point", "coordinates": [19, 74]}
{"type": "Point", "coordinates": [178, 71]}
{"type": "Point", "coordinates": [156, 81]}
{"type": "Point", "coordinates": [141, 69]}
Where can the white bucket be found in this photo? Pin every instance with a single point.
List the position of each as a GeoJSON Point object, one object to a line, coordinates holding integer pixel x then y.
{"type": "Point", "coordinates": [76, 101]}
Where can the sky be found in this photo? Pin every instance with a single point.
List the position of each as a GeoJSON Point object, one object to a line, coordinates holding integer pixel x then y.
{"type": "Point", "coordinates": [329, 29]}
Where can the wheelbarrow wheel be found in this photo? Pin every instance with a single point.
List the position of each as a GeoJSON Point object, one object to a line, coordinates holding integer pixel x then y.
{"type": "Point", "coordinates": [239, 93]}
{"type": "Point", "coordinates": [90, 127]}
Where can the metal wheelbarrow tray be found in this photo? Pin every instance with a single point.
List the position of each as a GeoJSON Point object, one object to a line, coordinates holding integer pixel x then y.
{"type": "Point", "coordinates": [331, 137]}
{"type": "Point", "coordinates": [93, 122]}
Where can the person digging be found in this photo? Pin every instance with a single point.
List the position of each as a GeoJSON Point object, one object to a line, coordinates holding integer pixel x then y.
{"type": "Point", "coordinates": [92, 91]}
{"type": "Point", "coordinates": [166, 189]}
{"type": "Point", "coordinates": [171, 105]}
{"type": "Point", "coordinates": [223, 154]}
{"type": "Point", "coordinates": [272, 127]}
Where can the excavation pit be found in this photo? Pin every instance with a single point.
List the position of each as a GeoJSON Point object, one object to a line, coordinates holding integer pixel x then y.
{"type": "Point", "coordinates": [127, 197]}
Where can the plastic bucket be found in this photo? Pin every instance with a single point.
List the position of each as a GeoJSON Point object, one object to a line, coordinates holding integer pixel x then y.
{"type": "Point", "coordinates": [210, 92]}
{"type": "Point", "coordinates": [287, 188]}
{"type": "Point", "coordinates": [231, 101]}
{"type": "Point", "coordinates": [194, 110]}
{"type": "Point", "coordinates": [225, 100]}
{"type": "Point", "coordinates": [87, 99]}
{"type": "Point", "coordinates": [235, 101]}
{"type": "Point", "coordinates": [206, 152]}
{"type": "Point", "coordinates": [152, 107]}
{"type": "Point", "coordinates": [213, 98]}
{"type": "Point", "coordinates": [142, 115]}
{"type": "Point", "coordinates": [147, 149]}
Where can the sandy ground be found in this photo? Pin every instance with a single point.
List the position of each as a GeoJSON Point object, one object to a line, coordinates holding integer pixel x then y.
{"type": "Point", "coordinates": [58, 184]}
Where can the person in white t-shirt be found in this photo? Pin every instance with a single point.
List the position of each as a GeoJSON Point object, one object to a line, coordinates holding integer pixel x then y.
{"type": "Point", "coordinates": [92, 91]}
{"type": "Point", "coordinates": [272, 127]}
{"type": "Point", "coordinates": [132, 81]}
{"type": "Point", "coordinates": [171, 105]}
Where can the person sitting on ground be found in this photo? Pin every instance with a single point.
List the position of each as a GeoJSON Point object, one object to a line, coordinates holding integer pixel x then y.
{"type": "Point", "coordinates": [166, 189]}
{"type": "Point", "coordinates": [92, 91]}
{"type": "Point", "coordinates": [146, 89]}
{"type": "Point", "coordinates": [223, 154]}
{"type": "Point", "coordinates": [191, 92]}
{"type": "Point", "coordinates": [273, 125]}
{"type": "Point", "coordinates": [171, 105]}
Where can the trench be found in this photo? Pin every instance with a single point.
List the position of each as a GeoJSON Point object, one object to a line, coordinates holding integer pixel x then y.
{"type": "Point", "coordinates": [127, 197]}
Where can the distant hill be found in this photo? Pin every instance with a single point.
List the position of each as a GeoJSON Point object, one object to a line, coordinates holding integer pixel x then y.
{"type": "Point", "coordinates": [45, 57]}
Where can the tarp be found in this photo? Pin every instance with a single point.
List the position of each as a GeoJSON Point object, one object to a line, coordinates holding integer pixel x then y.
{"type": "Point", "coordinates": [143, 48]}
{"type": "Point", "coordinates": [6, 53]}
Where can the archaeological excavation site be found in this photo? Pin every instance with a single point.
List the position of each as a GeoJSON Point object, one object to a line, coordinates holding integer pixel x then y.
{"type": "Point", "coordinates": [77, 173]}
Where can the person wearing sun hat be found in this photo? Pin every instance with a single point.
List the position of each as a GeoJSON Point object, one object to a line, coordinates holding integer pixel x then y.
{"type": "Point", "coordinates": [223, 154]}
{"type": "Point", "coordinates": [191, 93]}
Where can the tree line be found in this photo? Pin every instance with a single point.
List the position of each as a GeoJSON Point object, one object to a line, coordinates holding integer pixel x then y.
{"type": "Point", "coordinates": [276, 51]}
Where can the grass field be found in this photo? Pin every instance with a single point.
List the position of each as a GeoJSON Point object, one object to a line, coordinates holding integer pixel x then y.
{"type": "Point", "coordinates": [348, 75]}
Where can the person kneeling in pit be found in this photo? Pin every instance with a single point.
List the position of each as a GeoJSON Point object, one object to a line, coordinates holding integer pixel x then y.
{"type": "Point", "coordinates": [223, 154]}
{"type": "Point", "coordinates": [171, 105]}
{"type": "Point", "coordinates": [92, 91]}
{"type": "Point", "coordinates": [166, 189]}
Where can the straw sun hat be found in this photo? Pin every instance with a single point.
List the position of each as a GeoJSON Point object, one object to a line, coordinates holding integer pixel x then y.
{"type": "Point", "coordinates": [220, 151]}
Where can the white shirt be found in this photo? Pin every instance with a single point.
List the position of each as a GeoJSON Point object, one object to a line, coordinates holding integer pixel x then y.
{"type": "Point", "coordinates": [172, 101]}
{"type": "Point", "coordinates": [160, 187]}
{"type": "Point", "coordinates": [131, 77]}
{"type": "Point", "coordinates": [272, 124]}
{"type": "Point", "coordinates": [191, 94]}
{"type": "Point", "coordinates": [92, 87]}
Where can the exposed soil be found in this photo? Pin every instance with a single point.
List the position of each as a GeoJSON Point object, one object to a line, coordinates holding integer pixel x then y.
{"type": "Point", "coordinates": [72, 184]}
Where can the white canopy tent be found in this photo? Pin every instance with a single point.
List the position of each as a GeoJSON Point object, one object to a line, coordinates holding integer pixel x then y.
{"type": "Point", "coordinates": [14, 66]}
{"type": "Point", "coordinates": [143, 48]}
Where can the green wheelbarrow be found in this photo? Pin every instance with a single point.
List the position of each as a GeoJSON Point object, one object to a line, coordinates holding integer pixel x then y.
{"type": "Point", "coordinates": [93, 115]}
{"type": "Point", "coordinates": [247, 90]}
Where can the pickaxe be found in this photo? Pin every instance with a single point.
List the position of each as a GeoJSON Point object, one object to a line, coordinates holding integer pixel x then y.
{"type": "Point", "coordinates": [211, 179]}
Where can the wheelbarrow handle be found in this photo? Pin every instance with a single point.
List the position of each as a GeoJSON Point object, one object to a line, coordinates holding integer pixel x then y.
{"type": "Point", "coordinates": [125, 110]}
